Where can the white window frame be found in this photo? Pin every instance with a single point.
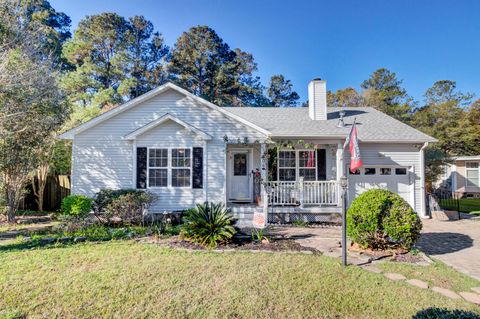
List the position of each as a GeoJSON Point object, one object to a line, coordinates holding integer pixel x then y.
{"type": "Point", "coordinates": [468, 183]}
{"type": "Point", "coordinates": [169, 168]}
{"type": "Point", "coordinates": [182, 167]}
{"type": "Point", "coordinates": [285, 167]}
{"type": "Point", "coordinates": [303, 167]}
{"type": "Point", "coordinates": [155, 167]}
{"type": "Point", "coordinates": [297, 163]}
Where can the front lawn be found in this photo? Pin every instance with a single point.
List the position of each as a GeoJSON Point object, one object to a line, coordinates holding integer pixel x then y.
{"type": "Point", "coordinates": [467, 205]}
{"type": "Point", "coordinates": [127, 279]}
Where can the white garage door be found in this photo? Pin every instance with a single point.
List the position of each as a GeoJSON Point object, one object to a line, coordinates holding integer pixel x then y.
{"type": "Point", "coordinates": [394, 178]}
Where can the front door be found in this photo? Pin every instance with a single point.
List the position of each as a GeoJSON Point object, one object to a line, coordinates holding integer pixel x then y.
{"type": "Point", "coordinates": [240, 185]}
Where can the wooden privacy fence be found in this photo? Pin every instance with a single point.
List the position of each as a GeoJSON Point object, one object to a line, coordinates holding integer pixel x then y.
{"type": "Point", "coordinates": [56, 189]}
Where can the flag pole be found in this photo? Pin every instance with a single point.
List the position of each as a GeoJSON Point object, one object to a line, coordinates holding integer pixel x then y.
{"type": "Point", "coordinates": [344, 186]}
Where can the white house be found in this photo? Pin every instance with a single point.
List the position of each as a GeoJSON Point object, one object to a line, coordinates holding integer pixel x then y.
{"type": "Point", "coordinates": [188, 150]}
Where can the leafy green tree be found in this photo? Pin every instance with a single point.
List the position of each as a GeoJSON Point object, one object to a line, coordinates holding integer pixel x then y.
{"type": "Point", "coordinates": [202, 62]}
{"type": "Point", "coordinates": [280, 92]}
{"type": "Point", "coordinates": [345, 97]}
{"type": "Point", "coordinates": [114, 60]}
{"type": "Point", "coordinates": [31, 109]}
{"type": "Point", "coordinates": [52, 28]}
{"type": "Point", "coordinates": [95, 51]}
{"type": "Point", "coordinates": [384, 92]}
{"type": "Point", "coordinates": [143, 59]}
{"type": "Point", "coordinates": [445, 116]}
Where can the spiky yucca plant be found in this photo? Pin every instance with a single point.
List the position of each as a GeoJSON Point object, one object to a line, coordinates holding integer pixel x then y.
{"type": "Point", "coordinates": [208, 224]}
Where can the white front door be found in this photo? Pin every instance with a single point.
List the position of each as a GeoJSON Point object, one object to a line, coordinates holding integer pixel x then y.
{"type": "Point", "coordinates": [240, 174]}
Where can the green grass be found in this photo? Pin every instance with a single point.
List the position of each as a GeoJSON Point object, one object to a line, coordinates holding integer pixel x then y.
{"type": "Point", "coordinates": [467, 205]}
{"type": "Point", "coordinates": [125, 279]}
{"type": "Point", "coordinates": [437, 274]}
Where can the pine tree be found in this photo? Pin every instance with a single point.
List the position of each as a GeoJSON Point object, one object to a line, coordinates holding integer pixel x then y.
{"type": "Point", "coordinates": [115, 59]}
{"type": "Point", "coordinates": [203, 63]}
{"type": "Point", "coordinates": [384, 92]}
{"type": "Point", "coordinates": [280, 92]}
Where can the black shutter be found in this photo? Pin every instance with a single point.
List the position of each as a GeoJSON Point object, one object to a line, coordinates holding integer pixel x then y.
{"type": "Point", "coordinates": [141, 167]}
{"type": "Point", "coordinates": [321, 164]}
{"type": "Point", "coordinates": [197, 172]}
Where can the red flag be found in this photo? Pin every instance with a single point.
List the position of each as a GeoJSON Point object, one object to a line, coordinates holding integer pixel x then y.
{"type": "Point", "coordinates": [352, 141]}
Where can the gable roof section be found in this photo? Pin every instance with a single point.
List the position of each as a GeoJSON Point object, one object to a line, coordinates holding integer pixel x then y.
{"type": "Point", "coordinates": [167, 117]}
{"type": "Point", "coordinates": [291, 122]}
{"type": "Point", "coordinates": [128, 105]}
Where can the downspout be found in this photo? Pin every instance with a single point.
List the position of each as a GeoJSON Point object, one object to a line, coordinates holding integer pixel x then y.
{"type": "Point", "coordinates": [423, 207]}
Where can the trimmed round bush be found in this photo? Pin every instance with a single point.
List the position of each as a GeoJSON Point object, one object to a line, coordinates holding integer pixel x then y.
{"type": "Point", "coordinates": [381, 219]}
{"type": "Point", "coordinates": [76, 205]}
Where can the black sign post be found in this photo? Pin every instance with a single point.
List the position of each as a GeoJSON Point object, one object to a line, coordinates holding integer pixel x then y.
{"type": "Point", "coordinates": [344, 186]}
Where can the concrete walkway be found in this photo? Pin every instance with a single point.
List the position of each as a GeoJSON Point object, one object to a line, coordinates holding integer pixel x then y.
{"type": "Point", "coordinates": [456, 243]}
{"type": "Point", "coordinates": [325, 239]}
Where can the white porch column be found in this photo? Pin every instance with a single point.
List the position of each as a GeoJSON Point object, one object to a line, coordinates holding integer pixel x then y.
{"type": "Point", "coordinates": [340, 162]}
{"type": "Point", "coordinates": [340, 170]}
{"type": "Point", "coordinates": [264, 176]}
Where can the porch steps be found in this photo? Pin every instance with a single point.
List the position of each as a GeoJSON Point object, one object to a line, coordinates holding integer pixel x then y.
{"type": "Point", "coordinates": [244, 215]}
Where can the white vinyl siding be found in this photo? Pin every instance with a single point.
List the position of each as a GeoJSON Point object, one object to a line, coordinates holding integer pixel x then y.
{"type": "Point", "coordinates": [103, 159]}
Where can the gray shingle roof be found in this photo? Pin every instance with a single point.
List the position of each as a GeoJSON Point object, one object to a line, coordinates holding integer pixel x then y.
{"type": "Point", "coordinates": [372, 125]}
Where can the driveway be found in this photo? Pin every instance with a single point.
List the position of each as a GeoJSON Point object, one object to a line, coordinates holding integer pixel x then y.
{"type": "Point", "coordinates": [456, 243]}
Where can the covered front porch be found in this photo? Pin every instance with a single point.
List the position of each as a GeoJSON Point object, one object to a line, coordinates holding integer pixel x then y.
{"type": "Point", "coordinates": [286, 181]}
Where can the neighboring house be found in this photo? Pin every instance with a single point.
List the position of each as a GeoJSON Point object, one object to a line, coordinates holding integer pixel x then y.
{"type": "Point", "coordinates": [188, 150]}
{"type": "Point", "coordinates": [462, 176]}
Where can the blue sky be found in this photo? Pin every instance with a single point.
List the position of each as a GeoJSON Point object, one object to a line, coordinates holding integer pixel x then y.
{"type": "Point", "coordinates": [342, 42]}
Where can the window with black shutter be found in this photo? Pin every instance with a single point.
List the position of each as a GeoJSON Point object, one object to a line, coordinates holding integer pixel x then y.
{"type": "Point", "coordinates": [321, 164]}
{"type": "Point", "coordinates": [141, 167]}
{"type": "Point", "coordinates": [197, 167]}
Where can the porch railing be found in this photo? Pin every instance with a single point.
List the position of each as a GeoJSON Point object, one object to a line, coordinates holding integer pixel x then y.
{"type": "Point", "coordinates": [303, 193]}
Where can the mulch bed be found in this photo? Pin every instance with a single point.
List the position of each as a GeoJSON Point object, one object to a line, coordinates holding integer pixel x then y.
{"type": "Point", "coordinates": [395, 255]}
{"type": "Point", "coordinates": [240, 244]}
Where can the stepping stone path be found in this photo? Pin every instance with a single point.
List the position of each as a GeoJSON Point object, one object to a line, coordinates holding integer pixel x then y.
{"type": "Point", "coordinates": [473, 297]}
{"type": "Point", "coordinates": [470, 296]}
{"type": "Point", "coordinates": [418, 283]}
{"type": "Point", "coordinates": [447, 293]}
{"type": "Point", "coordinates": [373, 269]}
{"type": "Point", "coordinates": [394, 276]}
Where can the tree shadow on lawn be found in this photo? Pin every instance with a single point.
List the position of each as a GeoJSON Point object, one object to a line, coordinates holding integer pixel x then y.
{"type": "Point", "coordinates": [27, 245]}
{"type": "Point", "coordinates": [443, 243]}
{"type": "Point", "coordinates": [441, 313]}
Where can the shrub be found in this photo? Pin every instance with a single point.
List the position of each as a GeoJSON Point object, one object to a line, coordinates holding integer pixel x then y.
{"type": "Point", "coordinates": [442, 313]}
{"type": "Point", "coordinates": [76, 206]}
{"type": "Point", "coordinates": [380, 219]}
{"type": "Point", "coordinates": [105, 196]}
{"type": "Point", "coordinates": [128, 209]}
{"type": "Point", "coordinates": [208, 224]}
{"type": "Point", "coordinates": [32, 213]}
